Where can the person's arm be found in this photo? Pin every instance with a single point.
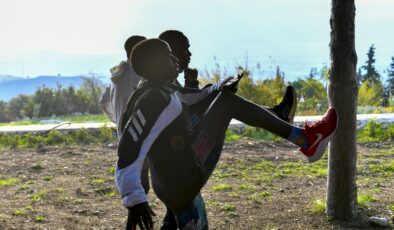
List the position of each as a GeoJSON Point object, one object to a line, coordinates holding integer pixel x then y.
{"type": "Point", "coordinates": [191, 78]}
{"type": "Point", "coordinates": [124, 80]}
{"type": "Point", "coordinates": [191, 96]}
{"type": "Point", "coordinates": [153, 112]}
{"type": "Point", "coordinates": [105, 104]}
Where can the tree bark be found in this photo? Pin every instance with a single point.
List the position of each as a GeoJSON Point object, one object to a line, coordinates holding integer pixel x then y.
{"type": "Point", "coordinates": [342, 92]}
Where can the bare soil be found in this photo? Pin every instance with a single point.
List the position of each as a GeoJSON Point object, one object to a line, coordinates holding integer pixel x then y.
{"type": "Point", "coordinates": [73, 188]}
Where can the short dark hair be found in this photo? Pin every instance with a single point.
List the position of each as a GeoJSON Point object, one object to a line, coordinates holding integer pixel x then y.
{"type": "Point", "coordinates": [173, 37]}
{"type": "Point", "coordinates": [131, 42]}
{"type": "Point", "coordinates": [145, 54]}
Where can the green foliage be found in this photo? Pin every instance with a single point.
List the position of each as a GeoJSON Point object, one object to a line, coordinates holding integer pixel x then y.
{"type": "Point", "coordinates": [222, 187]}
{"type": "Point", "coordinates": [370, 93]}
{"type": "Point", "coordinates": [77, 201]}
{"type": "Point", "coordinates": [8, 182]}
{"type": "Point", "coordinates": [5, 113]}
{"type": "Point", "coordinates": [371, 74]}
{"type": "Point", "coordinates": [39, 219]}
{"type": "Point", "coordinates": [19, 212]}
{"type": "Point", "coordinates": [48, 102]}
{"type": "Point", "coordinates": [319, 206]}
{"type": "Point", "coordinates": [390, 80]}
{"type": "Point", "coordinates": [231, 135]}
{"type": "Point", "coordinates": [24, 187]}
{"type": "Point", "coordinates": [110, 194]}
{"type": "Point", "coordinates": [386, 168]}
{"type": "Point", "coordinates": [111, 170]}
{"type": "Point", "coordinates": [38, 196]}
{"type": "Point", "coordinates": [265, 193]}
{"type": "Point", "coordinates": [55, 137]}
{"type": "Point", "coordinates": [229, 208]}
{"type": "Point", "coordinates": [31, 209]}
{"type": "Point", "coordinates": [7, 140]}
{"type": "Point", "coordinates": [48, 178]}
{"type": "Point", "coordinates": [106, 134]}
{"type": "Point", "coordinates": [247, 187]}
{"type": "Point", "coordinates": [375, 131]}
{"type": "Point", "coordinates": [259, 134]}
{"type": "Point", "coordinates": [82, 136]}
{"type": "Point", "coordinates": [98, 181]}
{"type": "Point", "coordinates": [365, 200]}
{"type": "Point", "coordinates": [313, 96]}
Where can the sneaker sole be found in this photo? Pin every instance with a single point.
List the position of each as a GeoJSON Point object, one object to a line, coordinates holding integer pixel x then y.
{"type": "Point", "coordinates": [322, 147]}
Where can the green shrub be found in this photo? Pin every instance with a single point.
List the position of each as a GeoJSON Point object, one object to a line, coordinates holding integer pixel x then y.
{"type": "Point", "coordinates": [82, 136]}
{"type": "Point", "coordinates": [232, 135]}
{"type": "Point", "coordinates": [9, 140]}
{"type": "Point", "coordinates": [54, 137]}
{"type": "Point", "coordinates": [259, 134]}
{"type": "Point", "coordinates": [375, 131]}
{"type": "Point", "coordinates": [33, 140]}
{"type": "Point", "coordinates": [106, 134]}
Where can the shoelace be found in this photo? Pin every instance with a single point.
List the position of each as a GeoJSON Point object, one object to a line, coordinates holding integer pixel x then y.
{"type": "Point", "coordinates": [308, 126]}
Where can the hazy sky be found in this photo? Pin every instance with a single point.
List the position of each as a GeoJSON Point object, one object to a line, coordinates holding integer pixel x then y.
{"type": "Point", "coordinates": [74, 37]}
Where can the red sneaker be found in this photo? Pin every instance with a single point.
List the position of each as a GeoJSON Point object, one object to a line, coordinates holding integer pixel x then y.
{"type": "Point", "coordinates": [319, 134]}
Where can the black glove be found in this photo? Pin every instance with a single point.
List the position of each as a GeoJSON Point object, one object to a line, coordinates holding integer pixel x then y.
{"type": "Point", "coordinates": [191, 78]}
{"type": "Point", "coordinates": [141, 215]}
{"type": "Point", "coordinates": [231, 83]}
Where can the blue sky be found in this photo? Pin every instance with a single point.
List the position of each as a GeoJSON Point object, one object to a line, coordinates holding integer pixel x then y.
{"type": "Point", "coordinates": [44, 37]}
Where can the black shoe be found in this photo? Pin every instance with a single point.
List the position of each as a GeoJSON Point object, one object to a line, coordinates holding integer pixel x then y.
{"type": "Point", "coordinates": [169, 222]}
{"type": "Point", "coordinates": [285, 110]}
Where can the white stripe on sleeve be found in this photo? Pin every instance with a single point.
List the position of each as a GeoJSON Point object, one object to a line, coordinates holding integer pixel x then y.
{"type": "Point", "coordinates": [128, 180]}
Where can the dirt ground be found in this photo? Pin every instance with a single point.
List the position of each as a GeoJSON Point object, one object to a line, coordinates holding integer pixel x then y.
{"type": "Point", "coordinates": [73, 188]}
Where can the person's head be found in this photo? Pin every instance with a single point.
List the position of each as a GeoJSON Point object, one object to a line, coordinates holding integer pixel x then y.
{"type": "Point", "coordinates": [179, 45]}
{"type": "Point", "coordinates": [152, 59]}
{"type": "Point", "coordinates": [131, 42]}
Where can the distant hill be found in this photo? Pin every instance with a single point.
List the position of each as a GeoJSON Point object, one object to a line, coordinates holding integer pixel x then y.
{"type": "Point", "coordinates": [7, 78]}
{"type": "Point", "coordinates": [11, 86]}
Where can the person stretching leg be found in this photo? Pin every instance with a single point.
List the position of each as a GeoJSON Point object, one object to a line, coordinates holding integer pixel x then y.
{"type": "Point", "coordinates": [182, 157]}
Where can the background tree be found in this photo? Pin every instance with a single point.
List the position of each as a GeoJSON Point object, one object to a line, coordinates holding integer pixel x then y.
{"type": "Point", "coordinates": [5, 114]}
{"type": "Point", "coordinates": [389, 88]}
{"type": "Point", "coordinates": [370, 94]}
{"type": "Point", "coordinates": [314, 94]}
{"type": "Point", "coordinates": [341, 186]}
{"type": "Point", "coordinates": [21, 106]}
{"type": "Point", "coordinates": [94, 88]}
{"type": "Point", "coordinates": [43, 98]}
{"type": "Point", "coordinates": [371, 74]}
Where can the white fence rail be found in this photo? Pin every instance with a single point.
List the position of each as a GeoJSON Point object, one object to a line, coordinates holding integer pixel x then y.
{"type": "Point", "coordinates": [362, 119]}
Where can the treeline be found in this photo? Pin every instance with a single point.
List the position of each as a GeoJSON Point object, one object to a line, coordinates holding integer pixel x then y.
{"type": "Point", "coordinates": [372, 90]}
{"type": "Point", "coordinates": [374, 93]}
{"type": "Point", "coordinates": [46, 102]}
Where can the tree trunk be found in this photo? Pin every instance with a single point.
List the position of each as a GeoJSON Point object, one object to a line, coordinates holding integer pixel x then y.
{"type": "Point", "coordinates": [341, 186]}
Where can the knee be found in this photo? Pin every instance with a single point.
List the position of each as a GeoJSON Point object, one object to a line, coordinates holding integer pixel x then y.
{"type": "Point", "coordinates": [226, 97]}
